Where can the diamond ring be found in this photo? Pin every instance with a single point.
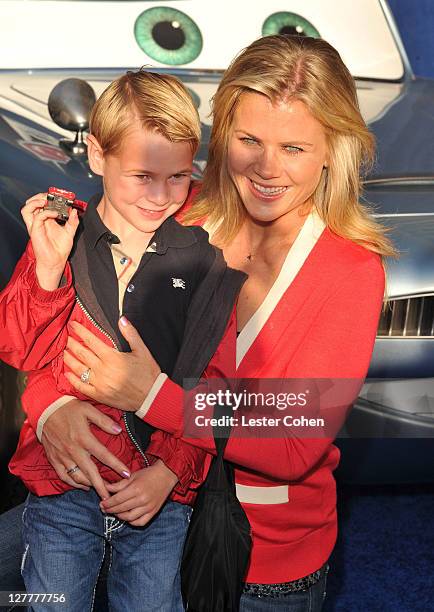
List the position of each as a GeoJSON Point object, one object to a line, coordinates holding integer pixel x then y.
{"type": "Point", "coordinates": [85, 376]}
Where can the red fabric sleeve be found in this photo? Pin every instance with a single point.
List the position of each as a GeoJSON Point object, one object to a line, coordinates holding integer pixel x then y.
{"type": "Point", "coordinates": [32, 318]}
{"type": "Point", "coordinates": [186, 461]}
{"type": "Point", "coordinates": [339, 345]}
{"type": "Point", "coordinates": [40, 392]}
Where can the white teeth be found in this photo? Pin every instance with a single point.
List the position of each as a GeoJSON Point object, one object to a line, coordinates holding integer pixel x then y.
{"type": "Point", "coordinates": [269, 190]}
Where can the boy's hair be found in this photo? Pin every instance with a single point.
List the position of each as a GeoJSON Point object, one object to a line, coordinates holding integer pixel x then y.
{"type": "Point", "coordinates": [159, 102]}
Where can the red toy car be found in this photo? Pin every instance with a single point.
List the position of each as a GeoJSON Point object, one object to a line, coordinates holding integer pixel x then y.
{"type": "Point", "coordinates": [61, 201]}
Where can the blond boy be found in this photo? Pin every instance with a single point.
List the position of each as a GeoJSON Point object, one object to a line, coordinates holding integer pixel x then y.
{"type": "Point", "coordinates": [128, 257]}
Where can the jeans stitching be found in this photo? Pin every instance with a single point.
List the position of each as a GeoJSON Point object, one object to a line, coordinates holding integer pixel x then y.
{"type": "Point", "coordinates": [106, 527]}
{"type": "Point", "coordinates": [117, 524]}
{"type": "Point", "coordinates": [24, 557]}
{"type": "Point", "coordinates": [92, 603]}
{"type": "Point", "coordinates": [111, 524]}
{"type": "Point", "coordinates": [26, 549]}
{"type": "Point", "coordinates": [111, 558]}
{"type": "Point", "coordinates": [326, 571]}
{"type": "Point", "coordinates": [26, 503]}
{"type": "Point", "coordinates": [310, 598]}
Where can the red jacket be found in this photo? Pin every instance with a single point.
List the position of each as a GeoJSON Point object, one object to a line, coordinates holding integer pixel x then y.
{"type": "Point", "coordinates": [34, 327]}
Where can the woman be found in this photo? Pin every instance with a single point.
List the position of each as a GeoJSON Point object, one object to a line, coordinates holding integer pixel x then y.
{"type": "Point", "coordinates": [281, 198]}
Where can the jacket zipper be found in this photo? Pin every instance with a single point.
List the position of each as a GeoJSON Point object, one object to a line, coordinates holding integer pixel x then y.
{"type": "Point", "coordinates": [115, 345]}
{"type": "Point", "coordinates": [134, 441]}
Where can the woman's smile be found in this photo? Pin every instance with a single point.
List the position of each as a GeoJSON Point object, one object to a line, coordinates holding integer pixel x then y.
{"type": "Point", "coordinates": [276, 156]}
{"type": "Point", "coordinates": [264, 192]}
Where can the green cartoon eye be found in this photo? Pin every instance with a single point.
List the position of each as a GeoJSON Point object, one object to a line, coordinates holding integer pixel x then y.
{"type": "Point", "coordinates": [290, 24]}
{"type": "Point", "coordinates": [168, 36]}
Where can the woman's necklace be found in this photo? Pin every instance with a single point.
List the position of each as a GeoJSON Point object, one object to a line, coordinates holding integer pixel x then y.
{"type": "Point", "coordinates": [252, 255]}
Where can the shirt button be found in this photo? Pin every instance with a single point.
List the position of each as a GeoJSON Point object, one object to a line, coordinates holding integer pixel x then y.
{"type": "Point", "coordinates": [124, 260]}
{"type": "Point", "coordinates": [130, 288]}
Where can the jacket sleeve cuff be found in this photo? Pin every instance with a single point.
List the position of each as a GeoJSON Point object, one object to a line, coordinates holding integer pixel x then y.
{"type": "Point", "coordinates": [51, 409]}
{"type": "Point", "coordinates": [42, 295]}
{"type": "Point", "coordinates": [153, 392]}
{"type": "Point", "coordinates": [164, 410]}
{"type": "Point", "coordinates": [41, 393]}
{"type": "Point", "coordinates": [187, 462]}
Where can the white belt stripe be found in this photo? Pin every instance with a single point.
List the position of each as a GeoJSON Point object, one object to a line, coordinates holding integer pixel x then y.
{"type": "Point", "coordinates": [262, 495]}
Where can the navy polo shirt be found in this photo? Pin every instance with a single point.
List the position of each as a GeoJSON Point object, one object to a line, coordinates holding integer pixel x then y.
{"type": "Point", "coordinates": [157, 299]}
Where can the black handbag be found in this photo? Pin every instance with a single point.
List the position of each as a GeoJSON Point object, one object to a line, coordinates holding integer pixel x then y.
{"type": "Point", "coordinates": [218, 544]}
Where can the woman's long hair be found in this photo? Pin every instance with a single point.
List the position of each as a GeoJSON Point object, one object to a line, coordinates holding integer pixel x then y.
{"type": "Point", "coordinates": [287, 68]}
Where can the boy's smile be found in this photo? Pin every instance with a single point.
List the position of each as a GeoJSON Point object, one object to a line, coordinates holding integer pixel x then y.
{"type": "Point", "coordinates": [145, 182]}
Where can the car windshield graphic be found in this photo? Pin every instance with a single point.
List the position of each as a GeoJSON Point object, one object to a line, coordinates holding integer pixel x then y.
{"type": "Point", "coordinates": [188, 33]}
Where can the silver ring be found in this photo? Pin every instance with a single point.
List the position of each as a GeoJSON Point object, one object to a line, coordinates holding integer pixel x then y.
{"type": "Point", "coordinates": [85, 376]}
{"type": "Point", "coordinates": [72, 470]}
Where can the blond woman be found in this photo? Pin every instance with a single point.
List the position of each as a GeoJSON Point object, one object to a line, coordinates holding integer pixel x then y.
{"type": "Point", "coordinates": [280, 196]}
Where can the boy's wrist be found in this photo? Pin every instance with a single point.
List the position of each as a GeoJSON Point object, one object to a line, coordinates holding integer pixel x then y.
{"type": "Point", "coordinates": [49, 278]}
{"type": "Point", "coordinates": [166, 472]}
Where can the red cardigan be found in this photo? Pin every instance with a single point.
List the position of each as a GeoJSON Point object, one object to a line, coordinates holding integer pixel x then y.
{"type": "Point", "coordinates": [324, 326]}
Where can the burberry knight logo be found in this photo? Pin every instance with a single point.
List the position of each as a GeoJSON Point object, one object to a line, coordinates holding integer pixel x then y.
{"type": "Point", "coordinates": [178, 283]}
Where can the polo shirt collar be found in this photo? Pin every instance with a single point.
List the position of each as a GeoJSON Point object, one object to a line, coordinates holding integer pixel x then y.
{"type": "Point", "coordinates": [172, 234]}
{"type": "Point", "coordinates": [169, 234]}
{"type": "Point", "coordinates": [93, 225]}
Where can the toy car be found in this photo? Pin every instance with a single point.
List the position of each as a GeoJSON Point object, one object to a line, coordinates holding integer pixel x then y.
{"type": "Point", "coordinates": [61, 201]}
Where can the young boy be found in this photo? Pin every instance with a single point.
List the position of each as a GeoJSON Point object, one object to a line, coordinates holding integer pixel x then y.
{"type": "Point", "coordinates": [127, 256]}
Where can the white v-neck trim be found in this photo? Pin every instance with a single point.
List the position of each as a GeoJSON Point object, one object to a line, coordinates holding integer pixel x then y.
{"type": "Point", "coordinates": [297, 255]}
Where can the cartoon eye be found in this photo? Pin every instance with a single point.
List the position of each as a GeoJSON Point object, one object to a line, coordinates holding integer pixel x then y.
{"type": "Point", "coordinates": [290, 24]}
{"type": "Point", "coordinates": [168, 36]}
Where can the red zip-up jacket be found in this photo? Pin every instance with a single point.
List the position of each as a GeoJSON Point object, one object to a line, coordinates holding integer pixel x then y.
{"type": "Point", "coordinates": [34, 326]}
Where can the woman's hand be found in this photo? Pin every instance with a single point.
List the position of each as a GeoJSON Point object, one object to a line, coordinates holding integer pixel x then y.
{"type": "Point", "coordinates": [51, 242]}
{"type": "Point", "coordinates": [68, 442]}
{"type": "Point", "coordinates": [140, 497]}
{"type": "Point", "coordinates": [120, 380]}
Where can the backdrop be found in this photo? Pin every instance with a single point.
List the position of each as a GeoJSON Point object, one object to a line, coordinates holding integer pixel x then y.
{"type": "Point", "coordinates": [415, 19]}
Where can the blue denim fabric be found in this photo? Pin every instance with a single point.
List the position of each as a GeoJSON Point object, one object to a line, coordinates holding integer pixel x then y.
{"type": "Point", "coordinates": [11, 550]}
{"type": "Point", "coordinates": [64, 538]}
{"type": "Point", "coordinates": [303, 601]}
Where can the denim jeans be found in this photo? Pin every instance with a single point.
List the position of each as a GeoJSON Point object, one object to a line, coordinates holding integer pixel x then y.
{"type": "Point", "coordinates": [301, 601]}
{"type": "Point", "coordinates": [11, 551]}
{"type": "Point", "coordinates": [64, 539]}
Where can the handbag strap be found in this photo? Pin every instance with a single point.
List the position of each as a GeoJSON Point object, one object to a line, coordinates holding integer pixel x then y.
{"type": "Point", "coordinates": [221, 432]}
{"type": "Point", "coordinates": [221, 475]}
{"type": "Point", "coordinates": [220, 444]}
